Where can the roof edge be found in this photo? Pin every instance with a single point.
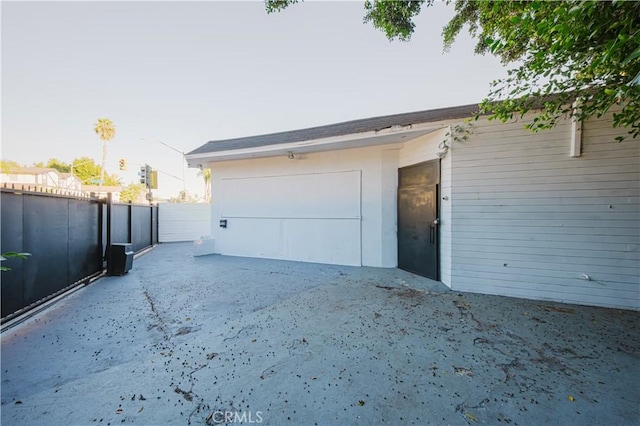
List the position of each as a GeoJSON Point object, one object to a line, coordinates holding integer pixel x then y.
{"type": "Point", "coordinates": [363, 125]}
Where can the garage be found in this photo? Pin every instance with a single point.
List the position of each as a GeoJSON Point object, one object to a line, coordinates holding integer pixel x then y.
{"type": "Point", "coordinates": [312, 217]}
{"type": "Point", "coordinates": [326, 194]}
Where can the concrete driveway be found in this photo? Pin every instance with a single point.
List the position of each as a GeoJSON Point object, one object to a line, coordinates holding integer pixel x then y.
{"type": "Point", "coordinates": [210, 340]}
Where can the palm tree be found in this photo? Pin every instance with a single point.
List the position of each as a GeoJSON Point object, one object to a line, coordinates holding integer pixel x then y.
{"type": "Point", "coordinates": [206, 175]}
{"type": "Point", "coordinates": [105, 129]}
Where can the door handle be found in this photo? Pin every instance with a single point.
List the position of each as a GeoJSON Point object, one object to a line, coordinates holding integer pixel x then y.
{"type": "Point", "coordinates": [432, 231]}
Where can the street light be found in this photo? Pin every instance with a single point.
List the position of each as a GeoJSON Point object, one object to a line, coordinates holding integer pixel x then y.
{"type": "Point", "coordinates": [184, 159]}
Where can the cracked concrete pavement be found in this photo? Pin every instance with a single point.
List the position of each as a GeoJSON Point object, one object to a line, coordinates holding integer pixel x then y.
{"type": "Point", "coordinates": [190, 340]}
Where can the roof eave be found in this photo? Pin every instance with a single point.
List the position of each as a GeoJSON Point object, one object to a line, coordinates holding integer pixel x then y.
{"type": "Point", "coordinates": [348, 141]}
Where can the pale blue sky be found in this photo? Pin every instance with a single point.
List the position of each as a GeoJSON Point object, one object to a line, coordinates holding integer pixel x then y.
{"type": "Point", "coordinates": [187, 73]}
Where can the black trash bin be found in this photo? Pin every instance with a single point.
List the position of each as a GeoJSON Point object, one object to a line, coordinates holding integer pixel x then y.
{"type": "Point", "coordinates": [120, 260]}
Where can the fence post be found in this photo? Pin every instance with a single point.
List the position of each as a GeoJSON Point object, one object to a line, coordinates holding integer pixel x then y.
{"type": "Point", "coordinates": [130, 224]}
{"type": "Point", "coordinates": [108, 248]}
{"type": "Point", "coordinates": [101, 225]}
{"type": "Point", "coordinates": [151, 227]}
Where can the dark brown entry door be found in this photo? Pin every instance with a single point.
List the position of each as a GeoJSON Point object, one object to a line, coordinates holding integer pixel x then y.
{"type": "Point", "coordinates": [418, 218]}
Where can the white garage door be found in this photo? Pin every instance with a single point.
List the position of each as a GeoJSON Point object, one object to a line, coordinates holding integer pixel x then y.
{"type": "Point", "coordinates": [307, 217]}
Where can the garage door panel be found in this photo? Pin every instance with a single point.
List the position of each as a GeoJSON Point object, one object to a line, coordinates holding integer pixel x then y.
{"type": "Point", "coordinates": [250, 237]}
{"type": "Point", "coordinates": [333, 241]}
{"type": "Point", "coordinates": [317, 195]}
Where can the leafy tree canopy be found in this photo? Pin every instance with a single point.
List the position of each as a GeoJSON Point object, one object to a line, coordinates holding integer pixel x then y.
{"type": "Point", "coordinates": [86, 170]}
{"type": "Point", "coordinates": [206, 176]}
{"type": "Point", "coordinates": [584, 50]}
{"type": "Point", "coordinates": [133, 193]}
{"type": "Point", "coordinates": [105, 129]}
{"type": "Point", "coordinates": [8, 166]}
{"type": "Point", "coordinates": [54, 163]}
{"type": "Point", "coordinates": [395, 18]}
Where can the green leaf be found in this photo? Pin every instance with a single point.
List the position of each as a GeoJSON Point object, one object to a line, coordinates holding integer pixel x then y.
{"type": "Point", "coordinates": [8, 254]}
{"type": "Point", "coordinates": [634, 55]}
{"type": "Point", "coordinates": [575, 9]}
{"type": "Point", "coordinates": [5, 256]}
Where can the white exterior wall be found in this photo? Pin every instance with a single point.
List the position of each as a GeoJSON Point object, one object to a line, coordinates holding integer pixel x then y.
{"type": "Point", "coordinates": [281, 227]}
{"type": "Point", "coordinates": [49, 179]}
{"type": "Point", "coordinates": [426, 148]}
{"type": "Point", "coordinates": [531, 221]}
{"type": "Point", "coordinates": [378, 168]}
{"type": "Point", "coordinates": [183, 221]}
{"type": "Point", "coordinates": [21, 178]}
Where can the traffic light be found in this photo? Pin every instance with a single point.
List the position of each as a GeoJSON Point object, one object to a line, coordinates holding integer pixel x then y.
{"type": "Point", "coordinates": [148, 177]}
{"type": "Point", "coordinates": [123, 164]}
{"type": "Point", "coordinates": [144, 175]}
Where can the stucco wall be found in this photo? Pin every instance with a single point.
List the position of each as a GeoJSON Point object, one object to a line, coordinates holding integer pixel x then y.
{"type": "Point", "coordinates": [378, 167]}
{"type": "Point", "coordinates": [327, 235]}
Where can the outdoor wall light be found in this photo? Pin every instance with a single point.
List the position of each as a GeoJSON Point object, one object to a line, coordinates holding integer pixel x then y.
{"type": "Point", "coordinates": [223, 223]}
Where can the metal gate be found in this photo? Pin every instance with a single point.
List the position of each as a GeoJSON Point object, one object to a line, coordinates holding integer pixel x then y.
{"type": "Point", "coordinates": [66, 236]}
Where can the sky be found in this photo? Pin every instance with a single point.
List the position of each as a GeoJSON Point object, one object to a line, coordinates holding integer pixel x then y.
{"type": "Point", "coordinates": [185, 73]}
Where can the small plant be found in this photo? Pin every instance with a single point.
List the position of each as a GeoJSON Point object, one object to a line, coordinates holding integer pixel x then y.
{"type": "Point", "coordinates": [7, 255]}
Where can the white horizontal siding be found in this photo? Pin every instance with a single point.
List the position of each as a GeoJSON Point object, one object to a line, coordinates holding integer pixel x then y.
{"type": "Point", "coordinates": [551, 205]}
{"type": "Point", "coordinates": [497, 261]}
{"type": "Point", "coordinates": [513, 270]}
{"type": "Point", "coordinates": [561, 244]}
{"type": "Point", "coordinates": [445, 224]}
{"type": "Point", "coordinates": [474, 233]}
{"type": "Point", "coordinates": [530, 221]}
{"type": "Point", "coordinates": [183, 222]}
{"type": "Point", "coordinates": [602, 258]}
{"type": "Point", "coordinates": [579, 295]}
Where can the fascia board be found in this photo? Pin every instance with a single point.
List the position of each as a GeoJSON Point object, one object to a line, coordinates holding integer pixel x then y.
{"type": "Point", "coordinates": [418, 129]}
